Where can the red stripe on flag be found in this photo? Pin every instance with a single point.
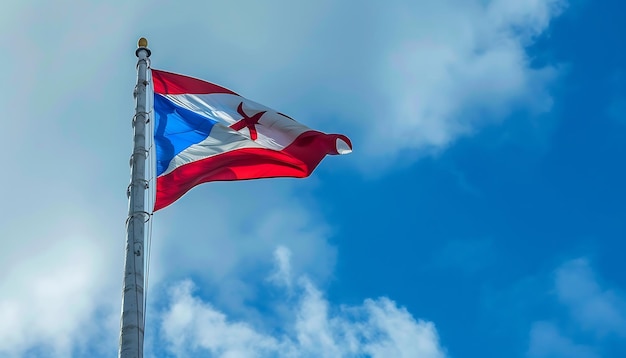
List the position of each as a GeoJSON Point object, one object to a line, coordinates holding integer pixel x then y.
{"type": "Point", "coordinates": [298, 160]}
{"type": "Point", "coordinates": [173, 83]}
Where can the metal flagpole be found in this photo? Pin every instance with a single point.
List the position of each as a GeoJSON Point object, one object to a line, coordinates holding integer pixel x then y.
{"type": "Point", "coordinates": [132, 321]}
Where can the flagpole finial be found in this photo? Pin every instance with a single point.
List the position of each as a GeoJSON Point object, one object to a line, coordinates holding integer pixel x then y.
{"type": "Point", "coordinates": [142, 45]}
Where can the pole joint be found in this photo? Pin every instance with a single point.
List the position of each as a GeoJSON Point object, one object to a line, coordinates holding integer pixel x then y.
{"type": "Point", "coordinates": [146, 116]}
{"type": "Point", "coordinates": [144, 152]}
{"type": "Point", "coordinates": [145, 214]}
{"type": "Point", "coordinates": [145, 182]}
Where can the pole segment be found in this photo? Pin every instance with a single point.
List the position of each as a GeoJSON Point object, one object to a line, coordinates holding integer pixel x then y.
{"type": "Point", "coordinates": [132, 320]}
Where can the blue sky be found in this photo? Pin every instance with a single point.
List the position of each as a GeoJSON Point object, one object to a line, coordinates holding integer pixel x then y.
{"type": "Point", "coordinates": [481, 213]}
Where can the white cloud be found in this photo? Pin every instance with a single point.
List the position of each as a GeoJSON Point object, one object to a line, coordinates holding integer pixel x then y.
{"type": "Point", "coordinates": [596, 309]}
{"type": "Point", "coordinates": [444, 81]}
{"type": "Point", "coordinates": [546, 341]}
{"type": "Point", "coordinates": [68, 71]}
{"type": "Point", "coordinates": [190, 324]}
{"type": "Point", "coordinates": [59, 297]}
{"type": "Point", "coordinates": [312, 327]}
{"type": "Point", "coordinates": [282, 275]}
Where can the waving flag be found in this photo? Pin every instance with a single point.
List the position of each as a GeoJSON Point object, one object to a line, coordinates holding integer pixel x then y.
{"type": "Point", "coordinates": [204, 132]}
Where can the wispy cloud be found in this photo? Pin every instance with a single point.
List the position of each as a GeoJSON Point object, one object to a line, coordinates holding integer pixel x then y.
{"type": "Point", "coordinates": [595, 315]}
{"type": "Point", "coordinates": [312, 327]}
{"type": "Point", "coordinates": [282, 275]}
{"type": "Point", "coordinates": [595, 308]}
{"type": "Point", "coordinates": [547, 341]}
{"type": "Point", "coordinates": [442, 82]}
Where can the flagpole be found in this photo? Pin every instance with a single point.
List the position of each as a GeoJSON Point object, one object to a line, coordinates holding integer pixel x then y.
{"type": "Point", "coordinates": [132, 320]}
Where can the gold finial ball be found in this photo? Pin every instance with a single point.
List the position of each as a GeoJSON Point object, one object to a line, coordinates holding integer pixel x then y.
{"type": "Point", "coordinates": [142, 42]}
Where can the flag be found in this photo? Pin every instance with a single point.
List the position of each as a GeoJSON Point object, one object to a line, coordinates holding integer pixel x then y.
{"type": "Point", "coordinates": [204, 132]}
